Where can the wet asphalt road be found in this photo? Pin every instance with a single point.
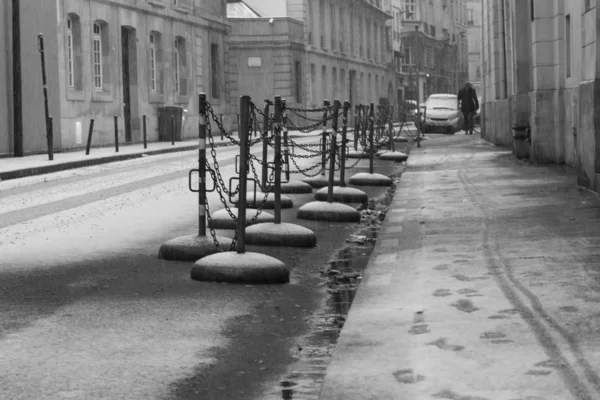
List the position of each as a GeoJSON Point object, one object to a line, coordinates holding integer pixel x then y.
{"type": "Point", "coordinates": [87, 310]}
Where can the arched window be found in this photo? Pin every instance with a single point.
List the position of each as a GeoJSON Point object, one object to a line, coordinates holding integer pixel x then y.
{"type": "Point", "coordinates": [73, 51]}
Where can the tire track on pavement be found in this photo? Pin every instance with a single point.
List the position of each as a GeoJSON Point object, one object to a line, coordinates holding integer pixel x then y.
{"type": "Point", "coordinates": [581, 379]}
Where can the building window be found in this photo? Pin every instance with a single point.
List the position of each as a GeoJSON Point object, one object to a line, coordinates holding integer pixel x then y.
{"type": "Point", "coordinates": [409, 9]}
{"type": "Point", "coordinates": [322, 22]}
{"type": "Point", "coordinates": [97, 57]}
{"type": "Point", "coordinates": [153, 56]}
{"type": "Point", "coordinates": [73, 52]}
{"type": "Point", "coordinates": [313, 84]}
{"type": "Point", "coordinates": [310, 23]}
{"type": "Point", "coordinates": [334, 82]}
{"type": "Point", "coordinates": [180, 66]}
{"type": "Point", "coordinates": [298, 82]}
{"type": "Point", "coordinates": [323, 82]}
{"type": "Point", "coordinates": [568, 43]}
{"type": "Point", "coordinates": [214, 69]}
{"type": "Point", "coordinates": [343, 82]}
{"type": "Point", "coordinates": [70, 53]}
{"type": "Point", "coordinates": [333, 27]}
{"type": "Point", "coordinates": [342, 30]}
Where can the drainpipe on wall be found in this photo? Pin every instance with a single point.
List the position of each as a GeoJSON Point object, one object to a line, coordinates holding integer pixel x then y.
{"type": "Point", "coordinates": [504, 47]}
{"type": "Point", "coordinates": [17, 89]}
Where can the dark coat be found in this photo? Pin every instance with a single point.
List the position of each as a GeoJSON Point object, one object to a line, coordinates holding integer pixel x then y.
{"type": "Point", "coordinates": [468, 98]}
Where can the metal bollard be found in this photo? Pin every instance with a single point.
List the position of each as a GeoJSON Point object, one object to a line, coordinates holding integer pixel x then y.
{"type": "Point", "coordinates": [202, 165]}
{"type": "Point", "coordinates": [244, 130]}
{"type": "Point", "coordinates": [333, 149]}
{"type": "Point", "coordinates": [172, 130]}
{"type": "Point", "coordinates": [343, 150]}
{"type": "Point", "coordinates": [116, 134]}
{"type": "Point", "coordinates": [371, 133]}
{"type": "Point", "coordinates": [144, 132]}
{"type": "Point", "coordinates": [277, 134]}
{"type": "Point", "coordinates": [324, 139]}
{"type": "Point", "coordinates": [265, 148]}
{"type": "Point", "coordinates": [89, 139]}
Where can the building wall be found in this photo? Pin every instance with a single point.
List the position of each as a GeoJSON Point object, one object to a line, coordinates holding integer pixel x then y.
{"type": "Point", "coordinates": [263, 64]}
{"type": "Point", "coordinates": [474, 43]}
{"type": "Point", "coordinates": [335, 43]}
{"type": "Point", "coordinates": [43, 17]}
{"type": "Point", "coordinates": [6, 93]}
{"type": "Point", "coordinates": [200, 24]}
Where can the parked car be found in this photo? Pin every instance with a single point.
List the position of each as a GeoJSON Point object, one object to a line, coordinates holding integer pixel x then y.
{"type": "Point", "coordinates": [442, 115]}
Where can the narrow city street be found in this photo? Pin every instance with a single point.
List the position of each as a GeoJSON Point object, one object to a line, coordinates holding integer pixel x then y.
{"type": "Point", "coordinates": [88, 311]}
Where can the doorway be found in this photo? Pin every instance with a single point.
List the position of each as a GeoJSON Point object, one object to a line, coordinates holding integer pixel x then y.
{"type": "Point", "coordinates": [130, 82]}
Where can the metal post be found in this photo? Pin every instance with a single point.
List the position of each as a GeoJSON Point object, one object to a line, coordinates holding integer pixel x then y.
{"type": "Point", "coordinates": [244, 130]}
{"type": "Point", "coordinates": [265, 148]}
{"type": "Point", "coordinates": [371, 133]}
{"type": "Point", "coordinates": [89, 141]}
{"type": "Point", "coordinates": [277, 134]}
{"type": "Point", "coordinates": [17, 81]}
{"type": "Point", "coordinates": [356, 126]}
{"type": "Point", "coordinates": [324, 140]}
{"type": "Point", "coordinates": [145, 133]}
{"type": "Point", "coordinates": [343, 152]}
{"type": "Point", "coordinates": [49, 133]}
{"type": "Point", "coordinates": [418, 89]}
{"type": "Point", "coordinates": [286, 153]}
{"type": "Point", "coordinates": [202, 164]}
{"type": "Point", "coordinates": [333, 149]}
{"type": "Point", "coordinates": [390, 121]}
{"type": "Point", "coordinates": [172, 130]}
{"type": "Point", "coordinates": [116, 134]}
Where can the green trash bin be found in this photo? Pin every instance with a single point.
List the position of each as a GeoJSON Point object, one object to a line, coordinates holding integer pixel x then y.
{"type": "Point", "coordinates": [170, 123]}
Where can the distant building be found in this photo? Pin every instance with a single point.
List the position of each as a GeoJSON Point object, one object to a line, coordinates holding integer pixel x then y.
{"type": "Point", "coordinates": [348, 53]}
{"type": "Point", "coordinates": [121, 58]}
{"type": "Point", "coordinates": [266, 57]}
{"type": "Point", "coordinates": [541, 70]}
{"type": "Point", "coordinates": [474, 43]}
{"type": "Point", "coordinates": [430, 46]}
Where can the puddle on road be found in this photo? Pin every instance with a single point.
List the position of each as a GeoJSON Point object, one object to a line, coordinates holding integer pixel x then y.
{"type": "Point", "coordinates": [342, 276]}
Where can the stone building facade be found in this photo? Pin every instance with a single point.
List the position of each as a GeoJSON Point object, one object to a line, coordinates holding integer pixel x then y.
{"type": "Point", "coordinates": [474, 43]}
{"type": "Point", "coordinates": [127, 58]}
{"type": "Point", "coordinates": [266, 57]}
{"type": "Point", "coordinates": [22, 117]}
{"type": "Point", "coordinates": [430, 46]}
{"type": "Point", "coordinates": [348, 53]}
{"type": "Point", "coordinates": [124, 58]}
{"type": "Point", "coordinates": [541, 69]}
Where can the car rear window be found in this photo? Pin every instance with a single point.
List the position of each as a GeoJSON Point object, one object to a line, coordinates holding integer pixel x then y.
{"type": "Point", "coordinates": [442, 102]}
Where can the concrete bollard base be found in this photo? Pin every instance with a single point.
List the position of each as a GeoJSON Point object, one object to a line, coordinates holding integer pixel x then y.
{"type": "Point", "coordinates": [366, 179]}
{"type": "Point", "coordinates": [320, 181]}
{"type": "Point", "coordinates": [283, 234]}
{"type": "Point", "coordinates": [343, 195]}
{"type": "Point", "coordinates": [324, 211]}
{"type": "Point", "coordinates": [222, 220]}
{"type": "Point", "coordinates": [396, 156]}
{"type": "Point", "coordinates": [191, 248]}
{"type": "Point", "coordinates": [233, 267]}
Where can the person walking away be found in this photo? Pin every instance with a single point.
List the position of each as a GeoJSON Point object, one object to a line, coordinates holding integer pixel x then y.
{"type": "Point", "coordinates": [468, 104]}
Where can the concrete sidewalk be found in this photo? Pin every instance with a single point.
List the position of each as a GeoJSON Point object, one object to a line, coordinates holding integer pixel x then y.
{"type": "Point", "coordinates": [484, 285]}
